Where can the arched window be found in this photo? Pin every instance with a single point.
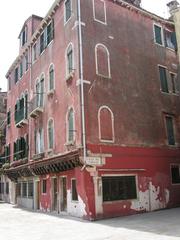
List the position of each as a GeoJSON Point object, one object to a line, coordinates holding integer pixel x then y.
{"type": "Point", "coordinates": [51, 77]}
{"type": "Point", "coordinates": [67, 10]}
{"type": "Point", "coordinates": [40, 92]}
{"type": "Point", "coordinates": [50, 134]}
{"type": "Point", "coordinates": [71, 127]}
{"type": "Point", "coordinates": [69, 60]}
{"type": "Point", "coordinates": [106, 124]}
{"type": "Point", "coordinates": [102, 61]}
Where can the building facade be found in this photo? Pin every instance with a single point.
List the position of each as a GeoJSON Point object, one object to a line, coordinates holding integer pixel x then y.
{"type": "Point", "coordinates": [94, 104]}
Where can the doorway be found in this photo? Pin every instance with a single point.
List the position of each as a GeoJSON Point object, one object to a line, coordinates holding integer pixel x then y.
{"type": "Point", "coordinates": [37, 195]}
{"type": "Point", "coordinates": [63, 201]}
{"type": "Point", "coordinates": [54, 195]}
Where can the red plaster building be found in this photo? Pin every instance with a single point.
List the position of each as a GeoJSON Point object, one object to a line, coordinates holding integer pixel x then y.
{"type": "Point", "coordinates": [94, 104]}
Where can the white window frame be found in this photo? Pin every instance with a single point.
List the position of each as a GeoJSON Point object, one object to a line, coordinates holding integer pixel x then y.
{"type": "Point", "coordinates": [50, 119]}
{"type": "Point", "coordinates": [108, 60]}
{"type": "Point", "coordinates": [105, 14]}
{"type": "Point", "coordinates": [99, 125]}
{"type": "Point", "coordinates": [69, 74]}
{"type": "Point", "coordinates": [162, 35]}
{"type": "Point", "coordinates": [51, 90]}
{"type": "Point", "coordinates": [65, 22]}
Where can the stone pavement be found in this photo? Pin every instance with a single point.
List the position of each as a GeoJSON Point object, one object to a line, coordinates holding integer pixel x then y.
{"type": "Point", "coordinates": [21, 224]}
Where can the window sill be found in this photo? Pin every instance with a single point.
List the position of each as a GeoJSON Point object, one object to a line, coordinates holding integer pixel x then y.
{"type": "Point", "coordinates": [70, 143]}
{"type": "Point", "coordinates": [38, 156]}
{"type": "Point", "coordinates": [70, 76]}
{"type": "Point", "coordinates": [103, 76]}
{"type": "Point", "coordinates": [119, 201]}
{"type": "Point", "coordinates": [51, 92]}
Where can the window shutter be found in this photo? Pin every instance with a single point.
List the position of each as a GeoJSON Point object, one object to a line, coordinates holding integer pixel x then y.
{"type": "Point", "coordinates": [174, 40]}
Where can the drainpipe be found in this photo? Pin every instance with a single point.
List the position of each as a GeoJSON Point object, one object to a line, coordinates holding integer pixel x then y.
{"type": "Point", "coordinates": [81, 81]}
{"type": "Point", "coordinates": [30, 84]}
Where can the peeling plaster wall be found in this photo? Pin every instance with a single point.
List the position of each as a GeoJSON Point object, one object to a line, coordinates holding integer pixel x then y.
{"type": "Point", "coordinates": [75, 208]}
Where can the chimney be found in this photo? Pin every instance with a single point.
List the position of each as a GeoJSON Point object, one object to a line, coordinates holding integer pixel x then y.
{"type": "Point", "coordinates": [173, 6]}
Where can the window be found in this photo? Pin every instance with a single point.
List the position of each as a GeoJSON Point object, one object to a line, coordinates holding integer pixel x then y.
{"type": "Point", "coordinates": [163, 79]}
{"type": "Point", "coordinates": [26, 61]}
{"type": "Point", "coordinates": [42, 42]}
{"type": "Point", "coordinates": [9, 117]}
{"type": "Point", "coordinates": [50, 32]}
{"type": "Point", "coordinates": [30, 189]}
{"type": "Point", "coordinates": [71, 129]}
{"type": "Point", "coordinates": [7, 153]}
{"type": "Point", "coordinates": [39, 141]}
{"type": "Point", "coordinates": [51, 77]}
{"type": "Point", "coordinates": [7, 188]}
{"type": "Point", "coordinates": [68, 10]}
{"type": "Point", "coordinates": [173, 78]}
{"type": "Point", "coordinates": [44, 186]}
{"type": "Point", "coordinates": [69, 60]}
{"type": "Point", "coordinates": [102, 61]}
{"type": "Point", "coordinates": [2, 188]}
{"type": "Point", "coordinates": [158, 34]}
{"type": "Point", "coordinates": [40, 92]}
{"type": "Point", "coordinates": [170, 130]}
{"type": "Point", "coordinates": [119, 188]}
{"type": "Point", "coordinates": [175, 174]}
{"type": "Point", "coordinates": [20, 149]}
{"type": "Point", "coordinates": [50, 134]}
{"type": "Point", "coordinates": [24, 189]}
{"type": "Point", "coordinates": [23, 36]}
{"type": "Point", "coordinates": [99, 11]}
{"type": "Point", "coordinates": [74, 190]}
{"type": "Point", "coordinates": [170, 39]}
{"type": "Point", "coordinates": [21, 69]}
{"type": "Point", "coordinates": [16, 75]}
{"type": "Point", "coordinates": [106, 124]}
{"type": "Point", "coordinates": [34, 52]}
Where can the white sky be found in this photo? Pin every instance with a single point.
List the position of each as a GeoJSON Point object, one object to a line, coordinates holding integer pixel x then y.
{"type": "Point", "coordinates": [14, 13]}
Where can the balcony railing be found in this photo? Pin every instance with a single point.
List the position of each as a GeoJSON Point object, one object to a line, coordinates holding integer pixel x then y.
{"type": "Point", "coordinates": [21, 117]}
{"type": "Point", "coordinates": [36, 105]}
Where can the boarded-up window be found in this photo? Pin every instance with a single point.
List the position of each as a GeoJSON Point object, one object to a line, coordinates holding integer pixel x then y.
{"type": "Point", "coordinates": [99, 10]}
{"type": "Point", "coordinates": [163, 79]}
{"type": "Point", "coordinates": [102, 61]}
{"type": "Point", "coordinates": [170, 130]}
{"type": "Point", "coordinates": [119, 188]}
{"type": "Point", "coordinates": [106, 128]}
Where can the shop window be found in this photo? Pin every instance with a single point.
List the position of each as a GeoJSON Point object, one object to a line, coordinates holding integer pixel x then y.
{"type": "Point", "coordinates": [175, 174]}
{"type": "Point", "coordinates": [74, 190]}
{"type": "Point", "coordinates": [102, 61]}
{"type": "Point", "coordinates": [106, 124]}
{"type": "Point", "coordinates": [119, 188]}
{"type": "Point", "coordinates": [18, 189]}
